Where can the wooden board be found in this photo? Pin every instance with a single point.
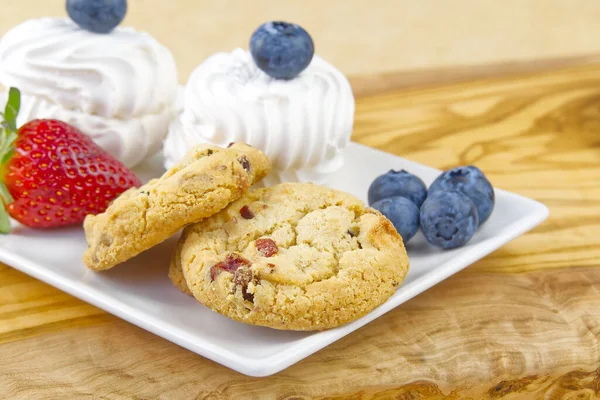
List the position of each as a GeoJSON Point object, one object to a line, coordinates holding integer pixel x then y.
{"type": "Point", "coordinates": [522, 323]}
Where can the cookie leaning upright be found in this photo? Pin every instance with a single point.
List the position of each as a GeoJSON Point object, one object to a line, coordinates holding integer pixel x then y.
{"type": "Point", "coordinates": [293, 256]}
{"type": "Point", "coordinates": [206, 180]}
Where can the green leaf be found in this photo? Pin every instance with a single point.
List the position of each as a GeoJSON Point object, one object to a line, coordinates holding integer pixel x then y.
{"type": "Point", "coordinates": [6, 196]}
{"type": "Point", "coordinates": [8, 136]}
{"type": "Point", "coordinates": [7, 156]}
{"type": "Point", "coordinates": [6, 146]}
{"type": "Point", "coordinates": [12, 107]}
{"type": "Point", "coordinates": [4, 220]}
{"type": "Point", "coordinates": [8, 127]}
{"type": "Point", "coordinates": [11, 137]}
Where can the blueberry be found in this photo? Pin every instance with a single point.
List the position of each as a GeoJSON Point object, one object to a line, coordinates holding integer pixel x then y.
{"type": "Point", "coordinates": [398, 183]}
{"type": "Point", "coordinates": [403, 214]}
{"type": "Point", "coordinates": [282, 50]}
{"type": "Point", "coordinates": [448, 219]}
{"type": "Point", "coordinates": [471, 182]}
{"type": "Point", "coordinates": [98, 16]}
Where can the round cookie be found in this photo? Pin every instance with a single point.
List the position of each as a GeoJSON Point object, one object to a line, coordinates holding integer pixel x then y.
{"type": "Point", "coordinates": [294, 256]}
{"type": "Point", "coordinates": [200, 185]}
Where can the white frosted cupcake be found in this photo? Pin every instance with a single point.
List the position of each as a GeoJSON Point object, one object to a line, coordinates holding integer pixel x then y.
{"type": "Point", "coordinates": [302, 124]}
{"type": "Point", "coordinates": [119, 88]}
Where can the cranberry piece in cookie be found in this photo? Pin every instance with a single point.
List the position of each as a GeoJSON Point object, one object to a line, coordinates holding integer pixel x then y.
{"type": "Point", "coordinates": [216, 269]}
{"type": "Point", "coordinates": [246, 212]}
{"type": "Point", "coordinates": [267, 247]}
{"type": "Point", "coordinates": [245, 163]}
{"type": "Point", "coordinates": [242, 278]}
{"type": "Point", "coordinates": [231, 264]}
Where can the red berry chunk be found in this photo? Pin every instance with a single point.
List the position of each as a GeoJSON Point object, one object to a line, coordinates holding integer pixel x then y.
{"type": "Point", "coordinates": [267, 247]}
{"type": "Point", "coordinates": [246, 213]}
{"type": "Point", "coordinates": [231, 264]}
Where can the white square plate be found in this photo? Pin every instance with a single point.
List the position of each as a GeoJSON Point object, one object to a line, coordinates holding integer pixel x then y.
{"type": "Point", "coordinates": [141, 293]}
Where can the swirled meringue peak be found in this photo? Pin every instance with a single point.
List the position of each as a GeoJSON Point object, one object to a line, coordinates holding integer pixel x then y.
{"type": "Point", "coordinates": [119, 88]}
{"type": "Point", "coordinates": [302, 124]}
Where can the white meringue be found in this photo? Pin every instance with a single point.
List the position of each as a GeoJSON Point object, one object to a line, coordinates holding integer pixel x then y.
{"type": "Point", "coordinates": [118, 88]}
{"type": "Point", "coordinates": [302, 124]}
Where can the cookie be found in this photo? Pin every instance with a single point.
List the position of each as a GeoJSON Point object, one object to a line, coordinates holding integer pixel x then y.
{"type": "Point", "coordinates": [294, 256]}
{"type": "Point", "coordinates": [206, 180]}
{"type": "Point", "coordinates": [175, 271]}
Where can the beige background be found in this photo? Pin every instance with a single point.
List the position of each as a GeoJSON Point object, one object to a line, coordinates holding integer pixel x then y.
{"type": "Point", "coordinates": [364, 36]}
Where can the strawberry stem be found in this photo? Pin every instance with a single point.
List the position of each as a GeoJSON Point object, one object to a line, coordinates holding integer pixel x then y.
{"type": "Point", "coordinates": [8, 136]}
{"type": "Point", "coordinates": [4, 221]}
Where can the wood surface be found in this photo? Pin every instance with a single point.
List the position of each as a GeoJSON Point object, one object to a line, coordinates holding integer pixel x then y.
{"type": "Point", "coordinates": [378, 83]}
{"type": "Point", "coordinates": [364, 37]}
{"type": "Point", "coordinates": [523, 323]}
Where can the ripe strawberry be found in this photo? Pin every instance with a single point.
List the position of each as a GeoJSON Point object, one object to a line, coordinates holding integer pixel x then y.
{"type": "Point", "coordinates": [51, 174]}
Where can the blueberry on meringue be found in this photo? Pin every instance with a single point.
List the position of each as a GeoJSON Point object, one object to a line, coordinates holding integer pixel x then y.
{"type": "Point", "coordinates": [97, 16]}
{"type": "Point", "coordinates": [281, 50]}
